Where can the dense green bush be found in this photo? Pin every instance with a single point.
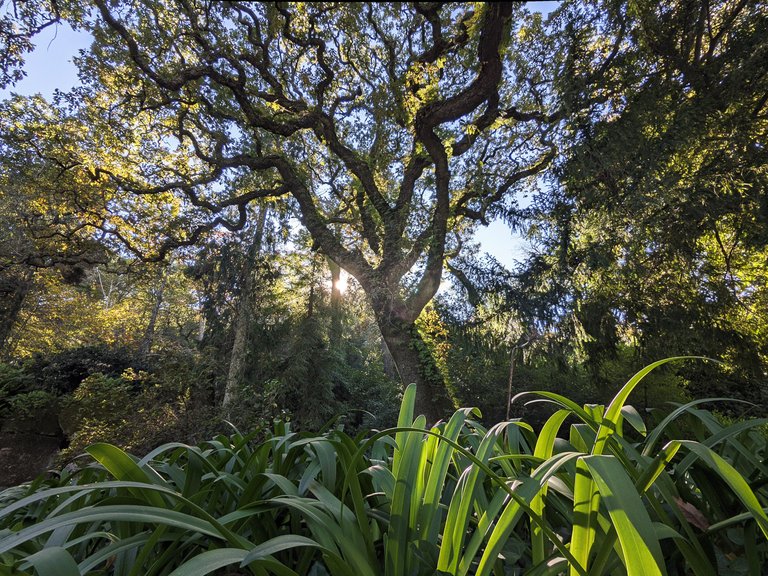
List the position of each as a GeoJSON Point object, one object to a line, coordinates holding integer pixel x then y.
{"type": "Point", "coordinates": [63, 372]}
{"type": "Point", "coordinates": [13, 380]}
{"type": "Point", "coordinates": [32, 404]}
{"type": "Point", "coordinates": [95, 395]}
{"type": "Point", "coordinates": [136, 417]}
{"type": "Point", "coordinates": [593, 491]}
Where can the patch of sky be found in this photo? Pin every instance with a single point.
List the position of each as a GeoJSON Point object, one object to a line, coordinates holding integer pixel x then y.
{"type": "Point", "coordinates": [50, 66]}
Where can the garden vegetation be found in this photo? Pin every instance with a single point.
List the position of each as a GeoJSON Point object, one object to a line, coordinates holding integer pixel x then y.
{"type": "Point", "coordinates": [593, 491]}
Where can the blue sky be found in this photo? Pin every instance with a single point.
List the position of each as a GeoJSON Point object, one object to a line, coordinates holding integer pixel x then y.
{"type": "Point", "coordinates": [50, 67]}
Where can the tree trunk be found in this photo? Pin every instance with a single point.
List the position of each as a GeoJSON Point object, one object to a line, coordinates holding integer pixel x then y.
{"type": "Point", "coordinates": [522, 342]}
{"type": "Point", "coordinates": [14, 291]}
{"type": "Point", "coordinates": [312, 279]}
{"type": "Point", "coordinates": [335, 331]}
{"type": "Point", "coordinates": [512, 359]}
{"type": "Point", "coordinates": [389, 364]}
{"type": "Point", "coordinates": [244, 313]}
{"type": "Point", "coordinates": [149, 334]}
{"type": "Point", "coordinates": [201, 327]}
{"type": "Point", "coordinates": [415, 364]}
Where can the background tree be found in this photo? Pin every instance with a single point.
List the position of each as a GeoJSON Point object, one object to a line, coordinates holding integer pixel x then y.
{"type": "Point", "coordinates": [655, 229]}
{"type": "Point", "coordinates": [42, 203]}
{"type": "Point", "coordinates": [245, 307]}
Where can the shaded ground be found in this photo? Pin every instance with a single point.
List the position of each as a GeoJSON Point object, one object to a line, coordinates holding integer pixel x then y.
{"type": "Point", "coordinates": [28, 447]}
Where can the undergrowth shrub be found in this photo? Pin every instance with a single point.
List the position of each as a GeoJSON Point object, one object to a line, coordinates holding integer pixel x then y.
{"type": "Point", "coordinates": [63, 372]}
{"type": "Point", "coordinates": [135, 411]}
{"type": "Point", "coordinates": [29, 405]}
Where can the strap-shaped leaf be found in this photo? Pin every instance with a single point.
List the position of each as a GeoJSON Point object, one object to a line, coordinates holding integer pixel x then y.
{"type": "Point", "coordinates": [735, 480]}
{"type": "Point", "coordinates": [637, 537]}
{"type": "Point", "coordinates": [54, 561]}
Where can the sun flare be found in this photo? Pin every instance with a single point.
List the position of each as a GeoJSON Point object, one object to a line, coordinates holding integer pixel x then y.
{"type": "Point", "coordinates": [342, 283]}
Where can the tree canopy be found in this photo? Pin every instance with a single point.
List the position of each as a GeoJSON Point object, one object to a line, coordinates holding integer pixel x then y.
{"type": "Point", "coordinates": [656, 226]}
{"type": "Point", "coordinates": [392, 127]}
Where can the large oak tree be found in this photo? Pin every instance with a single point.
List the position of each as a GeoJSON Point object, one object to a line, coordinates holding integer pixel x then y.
{"type": "Point", "coordinates": [375, 118]}
{"type": "Point", "coordinates": [392, 127]}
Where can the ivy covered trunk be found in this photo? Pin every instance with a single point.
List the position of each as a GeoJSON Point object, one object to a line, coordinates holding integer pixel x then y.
{"type": "Point", "coordinates": [238, 357]}
{"type": "Point", "coordinates": [415, 364]}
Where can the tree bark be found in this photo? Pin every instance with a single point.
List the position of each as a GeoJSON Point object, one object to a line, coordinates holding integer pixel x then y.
{"type": "Point", "coordinates": [389, 363]}
{"type": "Point", "coordinates": [201, 327]}
{"type": "Point", "coordinates": [416, 365]}
{"type": "Point", "coordinates": [15, 291]}
{"type": "Point", "coordinates": [149, 334]}
{"type": "Point", "coordinates": [238, 356]}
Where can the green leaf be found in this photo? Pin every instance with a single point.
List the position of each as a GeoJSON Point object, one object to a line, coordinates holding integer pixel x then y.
{"type": "Point", "coordinates": [114, 513]}
{"type": "Point", "coordinates": [278, 544]}
{"type": "Point", "coordinates": [550, 567]}
{"type": "Point", "coordinates": [405, 466]}
{"type": "Point", "coordinates": [209, 561]}
{"type": "Point", "coordinates": [429, 513]}
{"type": "Point", "coordinates": [113, 549]}
{"type": "Point", "coordinates": [545, 445]}
{"type": "Point", "coordinates": [461, 505]}
{"type": "Point", "coordinates": [123, 467]}
{"type": "Point", "coordinates": [405, 416]}
{"type": "Point", "coordinates": [632, 416]}
{"type": "Point", "coordinates": [585, 507]}
{"type": "Point", "coordinates": [735, 480]}
{"type": "Point", "coordinates": [730, 433]}
{"type": "Point", "coordinates": [656, 433]}
{"type": "Point", "coordinates": [611, 417]}
{"type": "Point", "coordinates": [54, 561]}
{"type": "Point", "coordinates": [521, 492]}
{"type": "Point", "coordinates": [637, 537]}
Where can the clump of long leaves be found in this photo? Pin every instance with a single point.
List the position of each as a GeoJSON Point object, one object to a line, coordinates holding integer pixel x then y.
{"type": "Point", "coordinates": [456, 498]}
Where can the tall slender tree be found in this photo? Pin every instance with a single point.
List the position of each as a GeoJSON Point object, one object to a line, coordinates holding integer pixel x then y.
{"type": "Point", "coordinates": [245, 308]}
